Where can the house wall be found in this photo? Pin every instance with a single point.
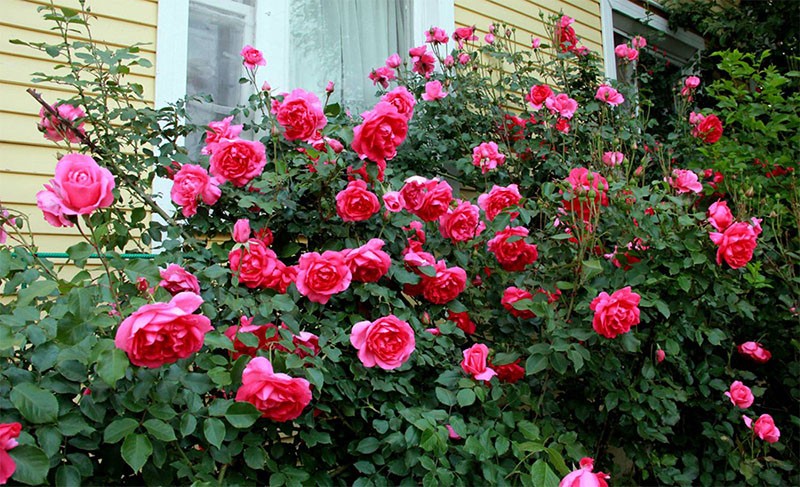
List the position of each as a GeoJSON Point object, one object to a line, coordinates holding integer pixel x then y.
{"type": "Point", "coordinates": [27, 159]}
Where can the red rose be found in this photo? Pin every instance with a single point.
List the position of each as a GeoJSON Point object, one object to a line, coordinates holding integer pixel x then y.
{"type": "Point", "coordinates": [268, 337]}
{"type": "Point", "coordinates": [462, 223]}
{"type": "Point", "coordinates": [381, 132]}
{"type": "Point", "coordinates": [279, 397]}
{"type": "Point", "coordinates": [237, 161]}
{"type": "Point", "coordinates": [736, 244]}
{"type": "Point", "coordinates": [509, 373]}
{"type": "Point", "coordinates": [281, 277]}
{"type": "Point", "coordinates": [538, 95]}
{"type": "Point", "coordinates": [583, 183]}
{"type": "Point", "coordinates": [513, 256]}
{"type": "Point", "coordinates": [300, 114]}
{"type": "Point", "coordinates": [253, 263]}
{"type": "Point", "coordinates": [615, 314]}
{"type": "Point", "coordinates": [513, 294]}
{"type": "Point", "coordinates": [498, 199]}
{"type": "Point", "coordinates": [462, 320]}
{"type": "Point", "coordinates": [402, 99]}
{"type": "Point", "coordinates": [368, 263]}
{"type": "Point", "coordinates": [446, 285]}
{"type": "Point", "coordinates": [356, 203]}
{"type": "Point", "coordinates": [709, 130]}
{"type": "Point", "coordinates": [321, 276]}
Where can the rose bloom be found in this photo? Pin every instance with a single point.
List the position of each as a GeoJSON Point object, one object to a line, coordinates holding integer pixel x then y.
{"type": "Point", "coordinates": [563, 126]}
{"type": "Point", "coordinates": [380, 134]}
{"type": "Point", "coordinates": [423, 61]}
{"type": "Point", "coordinates": [486, 156]}
{"type": "Point", "coordinates": [368, 263]}
{"type": "Point", "coordinates": [445, 285]}
{"type": "Point", "coordinates": [583, 183]}
{"type": "Point", "coordinates": [764, 427]}
{"type": "Point", "coordinates": [238, 161]}
{"type": "Point", "coordinates": [509, 373]}
{"type": "Point", "coordinates": [462, 223]}
{"type": "Point", "coordinates": [498, 199]}
{"type": "Point", "coordinates": [565, 34]}
{"type": "Point", "coordinates": [382, 76]}
{"type": "Point", "coordinates": [259, 331]}
{"type": "Point", "coordinates": [281, 277]}
{"type": "Point", "coordinates": [685, 181]}
{"type": "Point", "coordinates": [449, 61]}
{"type": "Point", "coordinates": [463, 58]}
{"type": "Point", "coordinates": [253, 263]}
{"type": "Point", "coordinates": [612, 159]}
{"type": "Point", "coordinates": [300, 114]}
{"type": "Point", "coordinates": [355, 203]}
{"type": "Point", "coordinates": [474, 362]}
{"type": "Point", "coordinates": [403, 101]}
{"type": "Point", "coordinates": [53, 129]}
{"type": "Point", "coordinates": [626, 53]}
{"type": "Point", "coordinates": [535, 42]}
{"type": "Point", "coordinates": [394, 61]}
{"type": "Point", "coordinates": [80, 187]}
{"type": "Point", "coordinates": [241, 230]}
{"type": "Point", "coordinates": [436, 200]}
{"type": "Point", "coordinates": [462, 320]}
{"type": "Point", "coordinates": [9, 432]}
{"type": "Point", "coordinates": [393, 201]}
{"type": "Point", "coordinates": [609, 95]}
{"type": "Point", "coordinates": [755, 351]}
{"type": "Point", "coordinates": [513, 256]}
{"type": "Point", "coordinates": [615, 314]}
{"type": "Point", "coordinates": [740, 395]}
{"type": "Point", "coordinates": [464, 34]}
{"type": "Point", "coordinates": [52, 209]}
{"type": "Point", "coordinates": [386, 342]}
{"type": "Point", "coordinates": [709, 129]}
{"type": "Point", "coordinates": [162, 333]}
{"type": "Point", "coordinates": [5, 220]}
{"type": "Point", "coordinates": [279, 397]}
{"type": "Point", "coordinates": [219, 130]}
{"type": "Point", "coordinates": [433, 91]}
{"type": "Point", "coordinates": [584, 477]}
{"type": "Point", "coordinates": [537, 96]}
{"type": "Point", "coordinates": [436, 35]}
{"type": "Point", "coordinates": [719, 215]}
{"type": "Point", "coordinates": [691, 82]}
{"type": "Point", "coordinates": [175, 279]}
{"type": "Point", "coordinates": [561, 104]}
{"type": "Point", "coordinates": [736, 244]}
{"type": "Point", "coordinates": [451, 433]}
{"type": "Point", "coordinates": [321, 276]}
{"type": "Point", "coordinates": [252, 57]}
{"type": "Point", "coordinates": [190, 184]}
{"type": "Point", "coordinates": [512, 295]}
{"type": "Point", "coordinates": [660, 355]}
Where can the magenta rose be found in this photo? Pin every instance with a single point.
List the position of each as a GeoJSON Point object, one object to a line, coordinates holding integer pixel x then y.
{"type": "Point", "coordinates": [445, 285]}
{"type": "Point", "coordinates": [238, 161]}
{"type": "Point", "coordinates": [487, 156]}
{"type": "Point", "coordinates": [9, 432]}
{"type": "Point", "coordinates": [80, 187]}
{"type": "Point", "coordinates": [740, 395]}
{"type": "Point", "coordinates": [609, 95]}
{"type": "Point", "coordinates": [755, 352]}
{"type": "Point", "coordinates": [584, 476]}
{"type": "Point", "coordinates": [475, 362]}
{"type": "Point", "coordinates": [279, 397]}
{"type": "Point", "coordinates": [719, 215]}
{"type": "Point", "coordinates": [583, 183]}
{"type": "Point", "coordinates": [162, 333]}
{"type": "Point", "coordinates": [615, 314]}
{"type": "Point", "coordinates": [462, 223]}
{"type": "Point", "coordinates": [252, 57]}
{"type": "Point", "coordinates": [192, 183]}
{"type": "Point", "coordinates": [382, 76]}
{"type": "Point", "coordinates": [736, 244]}
{"type": "Point", "coordinates": [685, 181]}
{"type": "Point", "coordinates": [386, 342]}
{"type": "Point", "coordinates": [380, 134]}
{"type": "Point", "coordinates": [218, 130]}
{"type": "Point", "coordinates": [393, 201]}
{"type": "Point", "coordinates": [516, 255]}
{"type": "Point", "coordinates": [498, 199]}
{"type": "Point", "coordinates": [403, 101]}
{"type": "Point", "coordinates": [538, 95]}
{"type": "Point", "coordinates": [53, 129]}
{"type": "Point", "coordinates": [175, 279]}
{"type": "Point", "coordinates": [561, 104]}
{"type": "Point", "coordinates": [436, 201]}
{"type": "Point", "coordinates": [512, 295]}
{"type": "Point", "coordinates": [355, 203]}
{"type": "Point", "coordinates": [52, 209]}
{"type": "Point", "coordinates": [300, 114]}
{"type": "Point", "coordinates": [321, 276]}
{"type": "Point", "coordinates": [368, 263]}
{"type": "Point", "coordinates": [253, 263]}
{"type": "Point", "coordinates": [241, 230]}
{"type": "Point", "coordinates": [764, 428]}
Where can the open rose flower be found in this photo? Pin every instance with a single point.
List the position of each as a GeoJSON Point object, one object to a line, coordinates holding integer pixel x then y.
{"type": "Point", "coordinates": [565, 34]}
{"type": "Point", "coordinates": [53, 129]}
{"type": "Point", "coordinates": [393, 201]}
{"type": "Point", "coordinates": [253, 263]}
{"type": "Point", "coordinates": [279, 397]}
{"type": "Point", "coordinates": [434, 91]}
{"type": "Point", "coordinates": [584, 477]}
{"type": "Point", "coordinates": [162, 333]}
{"type": "Point", "coordinates": [538, 95]}
{"type": "Point", "coordinates": [609, 95]}
{"type": "Point", "coordinates": [462, 223]}
{"type": "Point", "coordinates": [423, 61]}
{"type": "Point", "coordinates": [509, 373]}
{"type": "Point", "coordinates": [356, 203]}
{"type": "Point", "coordinates": [462, 320]}
{"type": "Point", "coordinates": [427, 198]}
{"type": "Point", "coordinates": [740, 395]}
{"type": "Point", "coordinates": [475, 362]}
{"type": "Point", "coordinates": [267, 336]}
{"type": "Point", "coordinates": [252, 57]}
{"type": "Point", "coordinates": [382, 76]}
{"type": "Point", "coordinates": [175, 279]}
{"type": "Point", "coordinates": [755, 352]}
{"type": "Point", "coordinates": [380, 134]}
{"type": "Point", "coordinates": [719, 215]}
{"type": "Point", "coordinates": [708, 129]}
{"type": "Point", "coordinates": [368, 263]}
{"type": "Point", "coordinates": [764, 428]}
{"type": "Point", "coordinates": [561, 104]}
{"type": "Point", "coordinates": [80, 187]}
{"type": "Point", "coordinates": [736, 244]}
{"type": "Point", "coordinates": [498, 199]}
{"type": "Point", "coordinates": [386, 342]}
{"type": "Point", "coordinates": [487, 156]}
{"type": "Point", "coordinates": [9, 432]}
{"type": "Point", "coordinates": [512, 295]}
{"type": "Point", "coordinates": [615, 314]}
{"type": "Point", "coordinates": [300, 114]}
{"type": "Point", "coordinates": [219, 130]}
{"type": "Point", "coordinates": [445, 285]}
{"type": "Point", "coordinates": [192, 184]}
{"type": "Point", "coordinates": [403, 101]}
{"type": "Point", "coordinates": [516, 255]}
{"type": "Point", "coordinates": [321, 276]}
{"type": "Point", "coordinates": [238, 161]}
{"type": "Point", "coordinates": [685, 181]}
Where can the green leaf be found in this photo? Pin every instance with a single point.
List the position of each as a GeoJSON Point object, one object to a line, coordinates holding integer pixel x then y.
{"type": "Point", "coordinates": [79, 253]}
{"type": "Point", "coordinates": [255, 457]}
{"type": "Point", "coordinates": [188, 424]}
{"type": "Point", "coordinates": [160, 430]}
{"type": "Point", "coordinates": [242, 414]}
{"type": "Point", "coordinates": [558, 461]}
{"type": "Point", "coordinates": [119, 429]}
{"type": "Point", "coordinates": [136, 449]}
{"type": "Point", "coordinates": [214, 431]}
{"type": "Point", "coordinates": [35, 404]}
{"type": "Point", "coordinates": [662, 307]}
{"type": "Point", "coordinates": [535, 364]}
{"type": "Point", "coordinates": [445, 397]}
{"type": "Point", "coordinates": [543, 475]}
{"type": "Point", "coordinates": [32, 465]}
{"type": "Point", "coordinates": [368, 445]}
{"type": "Point", "coordinates": [283, 302]}
{"type": "Point", "coordinates": [465, 397]}
{"type": "Point", "coordinates": [111, 366]}
{"type": "Point", "coordinates": [68, 475]}
{"type": "Point", "coordinates": [38, 289]}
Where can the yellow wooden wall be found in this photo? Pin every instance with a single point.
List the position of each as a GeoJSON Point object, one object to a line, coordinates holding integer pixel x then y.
{"type": "Point", "coordinates": [524, 16]}
{"type": "Point", "coordinates": [27, 160]}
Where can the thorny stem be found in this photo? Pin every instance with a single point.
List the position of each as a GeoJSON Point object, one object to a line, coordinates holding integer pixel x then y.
{"type": "Point", "coordinates": [100, 254]}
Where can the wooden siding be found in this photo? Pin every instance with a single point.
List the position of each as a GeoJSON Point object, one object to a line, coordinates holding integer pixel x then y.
{"type": "Point", "coordinates": [27, 160]}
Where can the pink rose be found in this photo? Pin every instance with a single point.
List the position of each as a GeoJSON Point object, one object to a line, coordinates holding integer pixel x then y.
{"type": "Point", "coordinates": [241, 230]}
{"type": "Point", "coordinates": [414, 190]}
{"type": "Point", "coordinates": [423, 61]}
{"type": "Point", "coordinates": [764, 427]}
{"type": "Point", "coordinates": [252, 57]}
{"type": "Point", "coordinates": [691, 82]}
{"type": "Point", "coordinates": [435, 35]}
{"type": "Point", "coordinates": [393, 201]}
{"type": "Point", "coordinates": [719, 215]}
{"type": "Point", "coordinates": [403, 101]}
{"type": "Point", "coordinates": [449, 61]}
{"type": "Point", "coordinates": [53, 129]}
{"type": "Point", "coordinates": [191, 184]}
{"type": "Point", "coordinates": [487, 156]}
{"type": "Point", "coordinates": [516, 255]}
{"type": "Point", "coordinates": [462, 320]}
{"type": "Point", "coordinates": [612, 159]}
{"type": "Point", "coordinates": [368, 263]}
{"type": "Point", "coordinates": [265, 86]}
{"type": "Point", "coordinates": [279, 397]}
{"type": "Point", "coordinates": [639, 42]}
{"type": "Point", "coordinates": [253, 263]}
{"type": "Point", "coordinates": [238, 161]}
{"type": "Point", "coordinates": [300, 114]}
{"type": "Point", "coordinates": [755, 352]}
{"type": "Point", "coordinates": [660, 355]}
{"type": "Point", "coordinates": [615, 314]}
{"type": "Point", "coordinates": [489, 38]}
{"type": "Point", "coordinates": [462, 223]}
{"type": "Point", "coordinates": [583, 184]}
{"type": "Point", "coordinates": [9, 432]}
{"type": "Point", "coordinates": [80, 187]}
{"type": "Point", "coordinates": [321, 276]}
{"type": "Point", "coordinates": [162, 333]}
{"type": "Point", "coordinates": [463, 58]}
{"type": "Point", "coordinates": [175, 279]}
{"type": "Point", "coordinates": [451, 433]}
{"type": "Point", "coordinates": [445, 285]}
{"type": "Point", "coordinates": [538, 95]}
{"type": "Point", "coordinates": [512, 295]}
{"type": "Point", "coordinates": [498, 199]}
{"type": "Point", "coordinates": [436, 200]}
{"type": "Point", "coordinates": [380, 134]}
{"type": "Point", "coordinates": [386, 342]}
{"type": "Point", "coordinates": [626, 53]}
{"type": "Point", "coordinates": [740, 395]}
{"type": "Point", "coordinates": [474, 362]}
{"type": "Point", "coordinates": [281, 277]}
{"type": "Point", "coordinates": [394, 61]}
{"type": "Point", "coordinates": [609, 95]}
{"type": "Point", "coordinates": [382, 76]}
{"type": "Point", "coordinates": [259, 331]}
{"type": "Point", "coordinates": [561, 104]}
{"type": "Point", "coordinates": [464, 34]}
{"type": "Point", "coordinates": [685, 181]}
{"type": "Point", "coordinates": [433, 91]}
{"type": "Point", "coordinates": [355, 203]}
{"type": "Point", "coordinates": [220, 130]}
{"type": "Point", "coordinates": [584, 477]}
{"type": "Point", "coordinates": [535, 43]}
{"type": "Point", "coordinates": [329, 87]}
{"type": "Point", "coordinates": [736, 244]}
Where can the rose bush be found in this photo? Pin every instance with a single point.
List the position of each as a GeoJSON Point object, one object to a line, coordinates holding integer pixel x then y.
{"type": "Point", "coordinates": [501, 325]}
